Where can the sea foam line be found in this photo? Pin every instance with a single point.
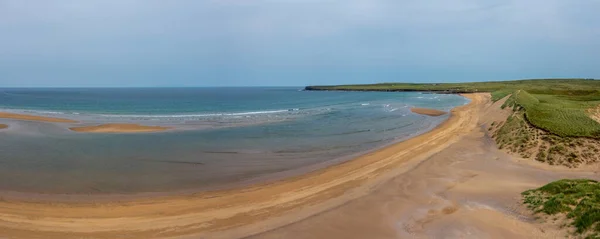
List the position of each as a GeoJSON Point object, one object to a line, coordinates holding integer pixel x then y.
{"type": "Point", "coordinates": [46, 112]}
{"type": "Point", "coordinates": [202, 115]}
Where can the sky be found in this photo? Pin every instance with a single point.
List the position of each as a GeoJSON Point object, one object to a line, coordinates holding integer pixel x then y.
{"type": "Point", "coordinates": [107, 43]}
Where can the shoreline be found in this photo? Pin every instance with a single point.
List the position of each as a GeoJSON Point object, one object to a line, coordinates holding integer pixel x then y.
{"type": "Point", "coordinates": [42, 197]}
{"type": "Point", "coordinates": [208, 212]}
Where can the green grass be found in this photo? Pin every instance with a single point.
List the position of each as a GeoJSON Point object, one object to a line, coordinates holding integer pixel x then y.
{"type": "Point", "coordinates": [555, 105]}
{"type": "Point", "coordinates": [568, 87]}
{"type": "Point", "coordinates": [564, 116]}
{"type": "Point", "coordinates": [577, 199]}
{"type": "Point", "coordinates": [500, 94]}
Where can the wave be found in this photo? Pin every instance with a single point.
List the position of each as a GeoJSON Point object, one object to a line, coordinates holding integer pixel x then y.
{"type": "Point", "coordinates": [199, 115]}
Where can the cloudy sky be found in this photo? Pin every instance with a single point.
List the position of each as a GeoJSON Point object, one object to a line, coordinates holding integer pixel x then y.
{"type": "Point", "coordinates": [294, 42]}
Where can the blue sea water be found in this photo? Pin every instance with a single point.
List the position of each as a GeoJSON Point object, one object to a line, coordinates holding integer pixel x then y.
{"type": "Point", "coordinates": [223, 136]}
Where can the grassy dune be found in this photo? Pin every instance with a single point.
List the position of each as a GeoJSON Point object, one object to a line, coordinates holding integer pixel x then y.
{"type": "Point", "coordinates": [562, 115]}
{"type": "Point", "coordinates": [577, 199]}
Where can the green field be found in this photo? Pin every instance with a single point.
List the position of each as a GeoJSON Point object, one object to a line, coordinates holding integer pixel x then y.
{"type": "Point", "coordinates": [558, 106]}
{"type": "Point", "coordinates": [537, 86]}
{"type": "Point", "coordinates": [577, 199]}
{"type": "Point", "coordinates": [564, 115]}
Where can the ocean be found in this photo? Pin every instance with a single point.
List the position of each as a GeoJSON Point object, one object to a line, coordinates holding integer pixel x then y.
{"type": "Point", "coordinates": [223, 136]}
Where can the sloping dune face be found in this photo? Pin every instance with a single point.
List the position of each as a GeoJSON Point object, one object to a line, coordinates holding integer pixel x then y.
{"type": "Point", "coordinates": [237, 212]}
{"type": "Point", "coordinates": [594, 113]}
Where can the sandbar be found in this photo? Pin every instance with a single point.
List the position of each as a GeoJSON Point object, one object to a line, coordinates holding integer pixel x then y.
{"type": "Point", "coordinates": [429, 112]}
{"type": "Point", "coordinates": [6, 115]}
{"type": "Point", "coordinates": [3, 126]}
{"type": "Point", "coordinates": [119, 128]}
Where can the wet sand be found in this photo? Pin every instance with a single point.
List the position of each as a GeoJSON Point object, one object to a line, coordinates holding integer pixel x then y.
{"type": "Point", "coordinates": [119, 128]}
{"type": "Point", "coordinates": [5, 115]}
{"type": "Point", "coordinates": [450, 182]}
{"type": "Point", "coordinates": [3, 126]}
{"type": "Point", "coordinates": [429, 112]}
{"type": "Point", "coordinates": [237, 212]}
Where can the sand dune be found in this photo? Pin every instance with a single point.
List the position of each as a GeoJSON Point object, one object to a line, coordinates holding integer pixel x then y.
{"type": "Point", "coordinates": [119, 128]}
{"type": "Point", "coordinates": [429, 112]}
{"type": "Point", "coordinates": [232, 213]}
{"type": "Point", "coordinates": [34, 118]}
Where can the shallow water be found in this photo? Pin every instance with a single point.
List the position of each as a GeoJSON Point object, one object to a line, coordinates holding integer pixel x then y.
{"type": "Point", "coordinates": [233, 135]}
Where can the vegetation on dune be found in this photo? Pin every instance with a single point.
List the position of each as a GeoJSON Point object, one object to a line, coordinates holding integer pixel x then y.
{"type": "Point", "coordinates": [500, 94]}
{"type": "Point", "coordinates": [517, 136]}
{"type": "Point", "coordinates": [563, 116]}
{"type": "Point", "coordinates": [577, 199]}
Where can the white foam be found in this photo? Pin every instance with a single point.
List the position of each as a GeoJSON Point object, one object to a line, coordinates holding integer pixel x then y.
{"type": "Point", "coordinates": [201, 115]}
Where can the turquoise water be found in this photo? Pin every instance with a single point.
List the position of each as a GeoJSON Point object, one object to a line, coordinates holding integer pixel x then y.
{"type": "Point", "coordinates": [225, 136]}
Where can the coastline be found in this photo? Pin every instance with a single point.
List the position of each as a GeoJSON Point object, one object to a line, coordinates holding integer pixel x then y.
{"type": "Point", "coordinates": [207, 212]}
